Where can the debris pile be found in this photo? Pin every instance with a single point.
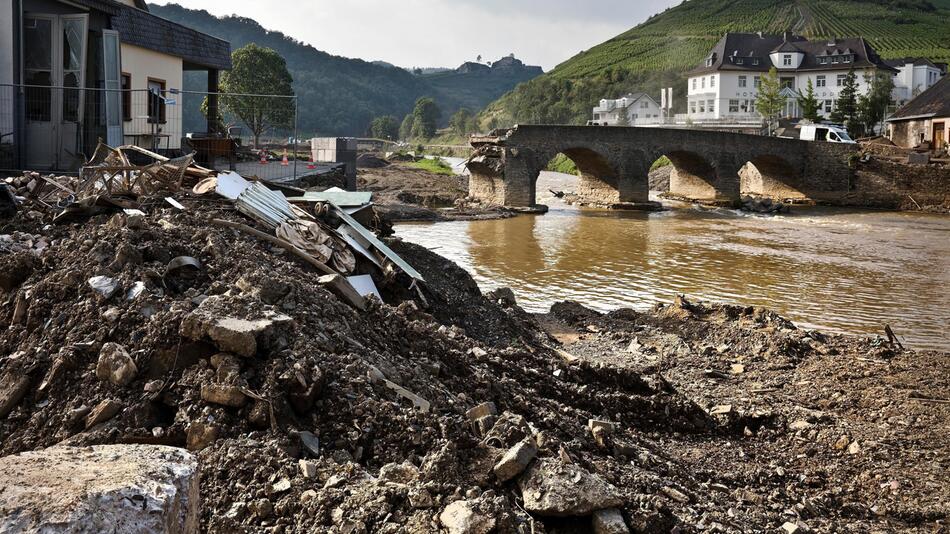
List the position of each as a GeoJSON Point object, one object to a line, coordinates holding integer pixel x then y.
{"type": "Point", "coordinates": [328, 380]}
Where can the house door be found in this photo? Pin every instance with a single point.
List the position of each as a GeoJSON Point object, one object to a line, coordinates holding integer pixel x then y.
{"type": "Point", "coordinates": [938, 137]}
{"type": "Point", "coordinates": [54, 66]}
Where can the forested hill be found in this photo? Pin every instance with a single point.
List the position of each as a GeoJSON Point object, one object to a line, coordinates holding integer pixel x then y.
{"type": "Point", "coordinates": [658, 52]}
{"type": "Point", "coordinates": [339, 95]}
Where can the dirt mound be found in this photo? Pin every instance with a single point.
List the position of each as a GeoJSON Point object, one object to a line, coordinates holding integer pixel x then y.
{"type": "Point", "coordinates": [370, 161]}
{"type": "Point", "coordinates": [445, 409]}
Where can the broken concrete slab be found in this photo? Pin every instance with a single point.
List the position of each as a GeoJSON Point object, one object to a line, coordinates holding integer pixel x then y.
{"type": "Point", "coordinates": [342, 288]}
{"type": "Point", "coordinates": [115, 365]}
{"type": "Point", "coordinates": [516, 460]}
{"type": "Point", "coordinates": [103, 488]}
{"type": "Point", "coordinates": [224, 320]}
{"type": "Point", "coordinates": [553, 488]}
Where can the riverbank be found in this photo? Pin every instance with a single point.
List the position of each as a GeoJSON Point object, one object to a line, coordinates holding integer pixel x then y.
{"type": "Point", "coordinates": [693, 415]}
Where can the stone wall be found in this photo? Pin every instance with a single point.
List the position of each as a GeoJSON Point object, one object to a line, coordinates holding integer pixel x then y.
{"type": "Point", "coordinates": [889, 185]}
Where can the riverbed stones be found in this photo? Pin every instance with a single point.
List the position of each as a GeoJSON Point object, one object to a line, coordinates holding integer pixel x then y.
{"type": "Point", "coordinates": [553, 488]}
{"type": "Point", "coordinates": [103, 488]}
{"type": "Point", "coordinates": [516, 460]}
{"type": "Point", "coordinates": [115, 365]}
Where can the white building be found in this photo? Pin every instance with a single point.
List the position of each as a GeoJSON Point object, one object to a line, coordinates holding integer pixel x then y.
{"type": "Point", "coordinates": [914, 76]}
{"type": "Point", "coordinates": [724, 88]}
{"type": "Point", "coordinates": [641, 109]}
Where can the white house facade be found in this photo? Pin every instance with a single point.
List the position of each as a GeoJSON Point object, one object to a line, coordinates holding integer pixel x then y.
{"type": "Point", "coordinates": [725, 86]}
{"type": "Point", "coordinates": [914, 76]}
{"type": "Point", "coordinates": [641, 110]}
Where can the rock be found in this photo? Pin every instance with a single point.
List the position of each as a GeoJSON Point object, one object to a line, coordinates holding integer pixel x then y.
{"type": "Point", "coordinates": [13, 388]}
{"type": "Point", "coordinates": [609, 521]}
{"type": "Point", "coordinates": [219, 319]}
{"type": "Point", "coordinates": [224, 395]}
{"type": "Point", "coordinates": [420, 498]}
{"type": "Point", "coordinates": [115, 365]}
{"type": "Point", "coordinates": [311, 443]}
{"type": "Point", "coordinates": [800, 425]}
{"type": "Point", "coordinates": [403, 473]}
{"type": "Point", "coordinates": [262, 508]}
{"type": "Point", "coordinates": [675, 494]}
{"type": "Point", "coordinates": [461, 517]}
{"type": "Point", "coordinates": [281, 485]}
{"type": "Point", "coordinates": [503, 295]}
{"type": "Point", "coordinates": [600, 430]}
{"type": "Point", "coordinates": [103, 411]}
{"type": "Point", "coordinates": [482, 410]}
{"type": "Point", "coordinates": [509, 429]}
{"type": "Point", "coordinates": [854, 448]}
{"type": "Point", "coordinates": [104, 286]}
{"type": "Point", "coordinates": [200, 435]}
{"type": "Point", "coordinates": [552, 488]}
{"type": "Point", "coordinates": [308, 496]}
{"type": "Point", "coordinates": [103, 488]}
{"type": "Point", "coordinates": [308, 469]}
{"type": "Point", "coordinates": [789, 527]}
{"type": "Point", "coordinates": [516, 460]}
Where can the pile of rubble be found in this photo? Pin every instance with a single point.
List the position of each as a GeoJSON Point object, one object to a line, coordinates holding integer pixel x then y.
{"type": "Point", "coordinates": [327, 380]}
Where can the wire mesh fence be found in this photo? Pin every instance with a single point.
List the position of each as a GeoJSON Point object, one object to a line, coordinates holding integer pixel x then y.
{"type": "Point", "coordinates": [56, 129]}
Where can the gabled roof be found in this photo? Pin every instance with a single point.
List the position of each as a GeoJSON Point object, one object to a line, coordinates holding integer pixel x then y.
{"type": "Point", "coordinates": [141, 28]}
{"type": "Point", "coordinates": [750, 52]}
{"type": "Point", "coordinates": [934, 102]}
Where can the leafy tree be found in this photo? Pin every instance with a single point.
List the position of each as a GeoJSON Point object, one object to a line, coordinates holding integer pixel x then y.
{"type": "Point", "coordinates": [462, 122]}
{"type": "Point", "coordinates": [260, 71]}
{"type": "Point", "coordinates": [873, 106]}
{"type": "Point", "coordinates": [846, 108]}
{"type": "Point", "coordinates": [425, 118]}
{"type": "Point", "coordinates": [405, 129]}
{"type": "Point", "coordinates": [770, 101]}
{"type": "Point", "coordinates": [624, 118]}
{"type": "Point", "coordinates": [809, 104]}
{"type": "Point", "coordinates": [385, 127]}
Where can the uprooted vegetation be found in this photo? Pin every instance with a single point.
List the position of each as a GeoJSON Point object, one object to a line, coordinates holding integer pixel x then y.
{"type": "Point", "coordinates": [446, 408]}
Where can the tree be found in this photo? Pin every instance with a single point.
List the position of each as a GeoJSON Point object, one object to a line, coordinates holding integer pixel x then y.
{"type": "Point", "coordinates": [385, 127]}
{"type": "Point", "coordinates": [770, 101]}
{"type": "Point", "coordinates": [462, 122]}
{"type": "Point", "coordinates": [846, 108]}
{"type": "Point", "coordinates": [425, 118]}
{"type": "Point", "coordinates": [872, 107]}
{"type": "Point", "coordinates": [809, 103]}
{"type": "Point", "coordinates": [624, 118]}
{"type": "Point", "coordinates": [259, 71]}
{"type": "Point", "coordinates": [405, 129]}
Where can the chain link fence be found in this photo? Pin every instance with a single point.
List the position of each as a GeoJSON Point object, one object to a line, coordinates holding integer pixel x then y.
{"type": "Point", "coordinates": [56, 129]}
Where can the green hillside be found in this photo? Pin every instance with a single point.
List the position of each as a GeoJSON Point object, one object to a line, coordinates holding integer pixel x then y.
{"type": "Point", "coordinates": [658, 52]}
{"type": "Point", "coordinates": [340, 95]}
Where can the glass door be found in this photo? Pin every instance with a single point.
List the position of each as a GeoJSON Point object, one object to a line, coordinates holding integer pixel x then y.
{"type": "Point", "coordinates": [72, 45]}
{"type": "Point", "coordinates": [112, 63]}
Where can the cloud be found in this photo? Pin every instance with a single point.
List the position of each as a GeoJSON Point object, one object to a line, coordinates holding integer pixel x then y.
{"type": "Point", "coordinates": [444, 33]}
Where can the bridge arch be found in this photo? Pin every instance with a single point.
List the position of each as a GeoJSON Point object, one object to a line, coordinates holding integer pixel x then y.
{"type": "Point", "coordinates": [694, 176]}
{"type": "Point", "coordinates": [773, 176]}
{"type": "Point", "coordinates": [596, 174]}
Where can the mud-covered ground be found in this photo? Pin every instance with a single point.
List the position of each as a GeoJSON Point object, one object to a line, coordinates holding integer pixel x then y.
{"type": "Point", "coordinates": [712, 418]}
{"type": "Point", "coordinates": [405, 193]}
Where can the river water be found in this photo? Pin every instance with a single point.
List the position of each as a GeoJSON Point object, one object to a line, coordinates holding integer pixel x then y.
{"type": "Point", "coordinates": [838, 270]}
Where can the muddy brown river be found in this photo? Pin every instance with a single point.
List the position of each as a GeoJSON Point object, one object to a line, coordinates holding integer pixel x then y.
{"type": "Point", "coordinates": [847, 271]}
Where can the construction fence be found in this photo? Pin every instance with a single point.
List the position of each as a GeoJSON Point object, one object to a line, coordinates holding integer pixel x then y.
{"type": "Point", "coordinates": [56, 129]}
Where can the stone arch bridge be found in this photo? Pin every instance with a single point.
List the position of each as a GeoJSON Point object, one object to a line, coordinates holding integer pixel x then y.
{"type": "Point", "coordinates": [614, 164]}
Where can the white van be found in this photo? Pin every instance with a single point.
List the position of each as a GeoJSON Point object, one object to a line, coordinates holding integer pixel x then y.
{"type": "Point", "coordinates": [825, 132]}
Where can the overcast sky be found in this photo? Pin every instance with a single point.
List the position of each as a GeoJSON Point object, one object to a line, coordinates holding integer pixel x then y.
{"type": "Point", "coordinates": [444, 33]}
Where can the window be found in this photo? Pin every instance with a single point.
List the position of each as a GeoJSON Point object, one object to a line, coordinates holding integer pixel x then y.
{"type": "Point", "coordinates": [820, 80]}
{"type": "Point", "coordinates": [126, 97]}
{"type": "Point", "coordinates": [743, 81]}
{"type": "Point", "coordinates": [828, 104]}
{"type": "Point", "coordinates": [692, 108]}
{"type": "Point", "coordinates": [751, 106]}
{"type": "Point", "coordinates": [787, 60]}
{"type": "Point", "coordinates": [712, 106]}
{"type": "Point", "coordinates": [846, 59]}
{"type": "Point", "coordinates": [787, 82]}
{"type": "Point", "coordinates": [712, 81]}
{"type": "Point", "coordinates": [694, 84]}
{"type": "Point", "coordinates": [755, 61]}
{"type": "Point", "coordinates": [596, 116]}
{"type": "Point", "coordinates": [841, 79]}
{"type": "Point", "coordinates": [644, 105]}
{"type": "Point", "coordinates": [835, 59]}
{"type": "Point", "coordinates": [740, 61]}
{"type": "Point", "coordinates": [733, 106]}
{"type": "Point", "coordinates": [756, 82]}
{"type": "Point", "coordinates": [703, 82]}
{"type": "Point", "coordinates": [702, 106]}
{"type": "Point", "coordinates": [156, 101]}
